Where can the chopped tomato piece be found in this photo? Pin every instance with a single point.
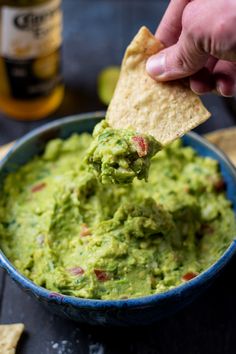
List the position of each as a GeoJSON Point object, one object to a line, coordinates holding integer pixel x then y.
{"type": "Point", "coordinates": [188, 276]}
{"type": "Point", "coordinates": [219, 185]}
{"type": "Point", "coordinates": [38, 187]}
{"type": "Point", "coordinates": [101, 275]}
{"type": "Point", "coordinates": [85, 231]}
{"type": "Point", "coordinates": [141, 145]}
{"type": "Point", "coordinates": [76, 271]}
{"type": "Point", "coordinates": [207, 229]}
{"type": "Point", "coordinates": [186, 189]}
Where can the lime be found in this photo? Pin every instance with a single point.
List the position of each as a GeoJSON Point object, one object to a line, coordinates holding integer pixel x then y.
{"type": "Point", "coordinates": [107, 80]}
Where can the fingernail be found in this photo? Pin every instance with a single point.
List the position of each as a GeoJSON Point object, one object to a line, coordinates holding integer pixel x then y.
{"type": "Point", "coordinates": [199, 93]}
{"type": "Point", "coordinates": [156, 65]}
{"type": "Point", "coordinates": [224, 94]}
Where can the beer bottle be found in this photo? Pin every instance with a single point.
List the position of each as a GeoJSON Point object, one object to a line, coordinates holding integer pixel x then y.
{"type": "Point", "coordinates": [30, 69]}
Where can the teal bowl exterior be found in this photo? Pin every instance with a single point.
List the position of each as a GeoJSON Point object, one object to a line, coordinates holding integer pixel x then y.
{"type": "Point", "coordinates": [139, 311]}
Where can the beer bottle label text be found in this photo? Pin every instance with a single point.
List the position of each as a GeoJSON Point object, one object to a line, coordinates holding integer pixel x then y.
{"type": "Point", "coordinates": [30, 41]}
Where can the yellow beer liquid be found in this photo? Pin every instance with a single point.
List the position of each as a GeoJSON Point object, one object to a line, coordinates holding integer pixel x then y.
{"type": "Point", "coordinates": [31, 109]}
{"type": "Point", "coordinates": [44, 67]}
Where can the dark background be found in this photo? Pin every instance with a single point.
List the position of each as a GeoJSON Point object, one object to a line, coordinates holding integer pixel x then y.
{"type": "Point", "coordinates": [96, 33]}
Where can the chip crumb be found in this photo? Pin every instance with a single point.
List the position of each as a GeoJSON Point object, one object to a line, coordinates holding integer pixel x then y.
{"type": "Point", "coordinates": [61, 347]}
{"type": "Point", "coordinates": [96, 348]}
{"type": "Point", "coordinates": [55, 346]}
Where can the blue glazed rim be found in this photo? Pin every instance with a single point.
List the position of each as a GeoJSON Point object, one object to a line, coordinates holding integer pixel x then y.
{"type": "Point", "coordinates": [141, 302]}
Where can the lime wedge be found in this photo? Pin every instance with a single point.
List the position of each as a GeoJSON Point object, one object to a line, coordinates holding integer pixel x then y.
{"type": "Point", "coordinates": [107, 80]}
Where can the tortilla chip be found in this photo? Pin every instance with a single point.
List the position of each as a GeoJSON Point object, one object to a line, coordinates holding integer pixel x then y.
{"type": "Point", "coordinates": [163, 110]}
{"type": "Point", "coordinates": [9, 337]}
{"type": "Point", "coordinates": [4, 149]}
{"type": "Point", "coordinates": [225, 139]}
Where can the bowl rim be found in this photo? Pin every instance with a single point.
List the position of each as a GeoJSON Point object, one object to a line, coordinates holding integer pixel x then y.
{"type": "Point", "coordinates": [144, 301]}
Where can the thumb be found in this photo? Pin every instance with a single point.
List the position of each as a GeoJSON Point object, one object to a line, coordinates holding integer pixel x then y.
{"type": "Point", "coordinates": [178, 61]}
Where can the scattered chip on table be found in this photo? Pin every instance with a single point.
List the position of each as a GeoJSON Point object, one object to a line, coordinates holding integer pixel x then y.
{"type": "Point", "coordinates": [4, 149]}
{"type": "Point", "coordinates": [225, 139]}
{"type": "Point", "coordinates": [9, 337]}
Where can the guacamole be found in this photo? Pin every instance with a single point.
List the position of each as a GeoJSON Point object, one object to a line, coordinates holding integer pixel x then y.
{"type": "Point", "coordinates": [119, 155]}
{"type": "Point", "coordinates": [71, 234]}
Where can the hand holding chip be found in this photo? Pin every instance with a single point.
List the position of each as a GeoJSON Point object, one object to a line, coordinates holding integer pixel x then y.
{"type": "Point", "coordinates": [201, 44]}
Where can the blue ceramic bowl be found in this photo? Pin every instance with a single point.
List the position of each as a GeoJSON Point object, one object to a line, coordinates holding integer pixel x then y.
{"type": "Point", "coordinates": [138, 311]}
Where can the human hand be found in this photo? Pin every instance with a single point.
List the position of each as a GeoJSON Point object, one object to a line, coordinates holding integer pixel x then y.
{"type": "Point", "coordinates": [200, 41]}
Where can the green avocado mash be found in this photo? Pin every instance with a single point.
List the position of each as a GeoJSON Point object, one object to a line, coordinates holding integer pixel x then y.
{"type": "Point", "coordinates": [120, 155]}
{"type": "Point", "coordinates": [69, 233]}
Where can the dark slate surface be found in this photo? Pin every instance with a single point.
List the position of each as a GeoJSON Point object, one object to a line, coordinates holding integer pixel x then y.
{"type": "Point", "coordinates": [95, 35]}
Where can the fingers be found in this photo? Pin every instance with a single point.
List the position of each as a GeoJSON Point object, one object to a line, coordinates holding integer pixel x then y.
{"type": "Point", "coordinates": [211, 63]}
{"type": "Point", "coordinates": [170, 27]}
{"type": "Point", "coordinates": [203, 81]}
{"type": "Point", "coordinates": [225, 78]}
{"type": "Point", "coordinates": [198, 45]}
{"type": "Point", "coordinates": [221, 77]}
{"type": "Point", "coordinates": [178, 61]}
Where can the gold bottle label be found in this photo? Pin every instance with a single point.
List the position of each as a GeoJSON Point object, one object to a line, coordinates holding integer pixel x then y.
{"type": "Point", "coordinates": [30, 41]}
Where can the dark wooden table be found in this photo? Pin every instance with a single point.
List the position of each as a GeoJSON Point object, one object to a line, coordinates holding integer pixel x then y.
{"type": "Point", "coordinates": [95, 35]}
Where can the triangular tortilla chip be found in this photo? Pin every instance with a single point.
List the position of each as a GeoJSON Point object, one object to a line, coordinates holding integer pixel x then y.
{"type": "Point", "coordinates": [9, 337]}
{"type": "Point", "coordinates": [163, 110]}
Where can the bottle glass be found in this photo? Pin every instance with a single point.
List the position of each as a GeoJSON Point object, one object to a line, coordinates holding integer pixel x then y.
{"type": "Point", "coordinates": [30, 58]}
